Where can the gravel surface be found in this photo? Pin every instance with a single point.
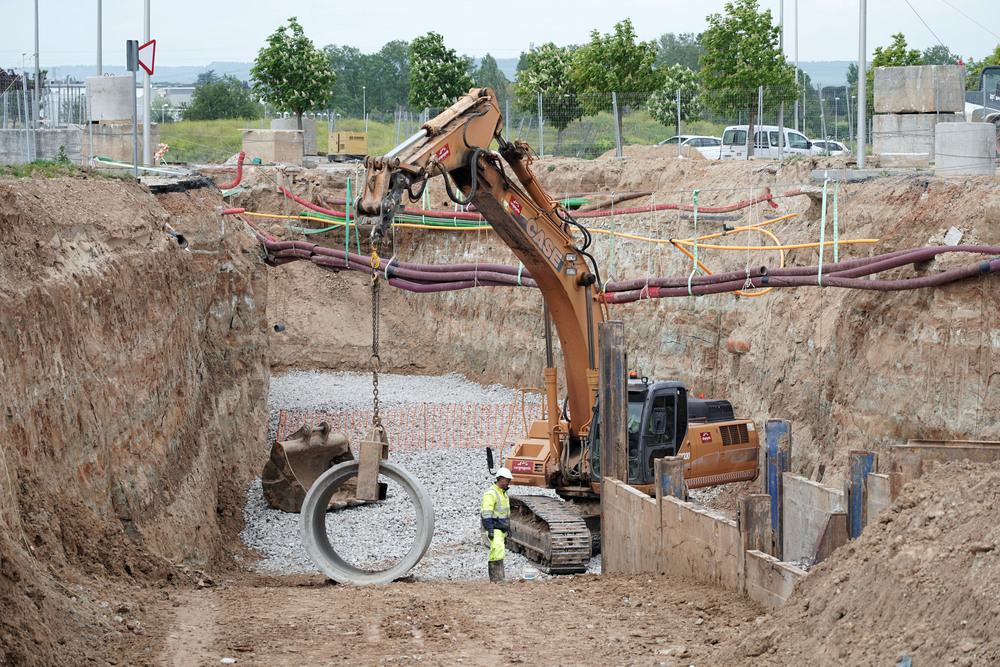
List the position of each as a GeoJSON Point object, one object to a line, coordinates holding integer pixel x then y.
{"type": "Point", "coordinates": [376, 535]}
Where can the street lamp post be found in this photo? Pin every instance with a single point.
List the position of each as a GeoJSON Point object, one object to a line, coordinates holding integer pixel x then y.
{"type": "Point", "coordinates": [836, 117]}
{"type": "Point", "coordinates": [364, 106]}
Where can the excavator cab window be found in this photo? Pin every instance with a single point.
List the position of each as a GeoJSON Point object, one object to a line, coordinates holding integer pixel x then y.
{"type": "Point", "coordinates": [659, 435]}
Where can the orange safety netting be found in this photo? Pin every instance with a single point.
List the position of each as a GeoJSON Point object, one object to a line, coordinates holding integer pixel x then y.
{"type": "Point", "coordinates": [426, 426]}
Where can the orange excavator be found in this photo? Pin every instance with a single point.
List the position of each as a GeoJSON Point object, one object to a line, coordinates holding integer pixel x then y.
{"type": "Point", "coordinates": [562, 448]}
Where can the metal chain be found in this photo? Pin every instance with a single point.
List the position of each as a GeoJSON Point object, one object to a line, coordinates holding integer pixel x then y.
{"type": "Point", "coordinates": [375, 361]}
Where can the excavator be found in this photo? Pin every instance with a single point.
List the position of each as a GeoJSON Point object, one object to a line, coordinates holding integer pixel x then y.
{"type": "Point", "coordinates": [562, 448]}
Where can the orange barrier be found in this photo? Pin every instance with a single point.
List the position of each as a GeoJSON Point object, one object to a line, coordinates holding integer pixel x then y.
{"type": "Point", "coordinates": [425, 426]}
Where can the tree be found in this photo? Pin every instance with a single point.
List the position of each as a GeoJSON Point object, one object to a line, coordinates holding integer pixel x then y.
{"type": "Point", "coordinates": [489, 76]}
{"type": "Point", "coordinates": [974, 68]}
{"type": "Point", "coordinates": [390, 76]}
{"type": "Point", "coordinates": [741, 54]}
{"type": "Point", "coordinates": [616, 63]}
{"type": "Point", "coordinates": [662, 105]}
{"type": "Point", "coordinates": [437, 74]}
{"type": "Point", "coordinates": [291, 73]}
{"type": "Point", "coordinates": [208, 76]}
{"type": "Point", "coordinates": [683, 49]}
{"type": "Point", "coordinates": [940, 55]}
{"type": "Point", "coordinates": [352, 68]}
{"type": "Point", "coordinates": [227, 97]}
{"type": "Point", "coordinates": [547, 70]}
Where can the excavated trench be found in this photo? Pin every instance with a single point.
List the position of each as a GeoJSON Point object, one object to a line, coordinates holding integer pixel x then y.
{"type": "Point", "coordinates": [135, 378]}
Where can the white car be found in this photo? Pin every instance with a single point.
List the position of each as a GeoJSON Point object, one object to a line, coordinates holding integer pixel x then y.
{"type": "Point", "coordinates": [829, 147]}
{"type": "Point", "coordinates": [710, 147]}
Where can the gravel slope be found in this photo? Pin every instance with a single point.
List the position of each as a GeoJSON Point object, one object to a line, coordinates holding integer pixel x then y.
{"type": "Point", "coordinates": [374, 535]}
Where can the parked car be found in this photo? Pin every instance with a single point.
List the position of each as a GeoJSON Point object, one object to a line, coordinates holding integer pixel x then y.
{"type": "Point", "coordinates": [710, 147]}
{"type": "Point", "coordinates": [829, 147]}
{"type": "Point", "coordinates": [734, 142]}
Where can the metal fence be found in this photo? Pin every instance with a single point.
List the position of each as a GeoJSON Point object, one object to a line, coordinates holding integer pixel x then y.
{"type": "Point", "coordinates": [585, 125]}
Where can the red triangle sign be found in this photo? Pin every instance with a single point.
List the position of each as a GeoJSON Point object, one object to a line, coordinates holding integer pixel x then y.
{"type": "Point", "coordinates": [152, 57]}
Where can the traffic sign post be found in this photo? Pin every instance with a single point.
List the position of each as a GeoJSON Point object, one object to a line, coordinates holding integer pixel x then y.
{"type": "Point", "coordinates": [132, 64]}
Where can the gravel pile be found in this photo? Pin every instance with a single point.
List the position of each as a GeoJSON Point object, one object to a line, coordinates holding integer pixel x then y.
{"type": "Point", "coordinates": [376, 535]}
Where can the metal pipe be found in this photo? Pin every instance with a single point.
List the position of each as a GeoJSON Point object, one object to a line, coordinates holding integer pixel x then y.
{"type": "Point", "coordinates": [147, 105]}
{"type": "Point", "coordinates": [100, 67]}
{"type": "Point", "coordinates": [590, 331]}
{"type": "Point", "coordinates": [406, 144]}
{"type": "Point", "coordinates": [548, 335]}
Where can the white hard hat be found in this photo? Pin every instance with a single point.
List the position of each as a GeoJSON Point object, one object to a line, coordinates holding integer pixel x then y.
{"type": "Point", "coordinates": [504, 472]}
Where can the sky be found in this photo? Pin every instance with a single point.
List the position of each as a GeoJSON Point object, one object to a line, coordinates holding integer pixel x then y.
{"type": "Point", "coordinates": [197, 33]}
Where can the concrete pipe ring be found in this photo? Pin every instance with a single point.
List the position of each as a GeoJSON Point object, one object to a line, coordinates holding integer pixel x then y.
{"type": "Point", "coordinates": [312, 526]}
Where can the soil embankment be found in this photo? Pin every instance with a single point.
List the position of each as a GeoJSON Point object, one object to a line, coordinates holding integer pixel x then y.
{"type": "Point", "coordinates": [134, 404]}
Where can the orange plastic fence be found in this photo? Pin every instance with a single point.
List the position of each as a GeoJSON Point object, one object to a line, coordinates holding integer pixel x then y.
{"type": "Point", "coordinates": [425, 426]}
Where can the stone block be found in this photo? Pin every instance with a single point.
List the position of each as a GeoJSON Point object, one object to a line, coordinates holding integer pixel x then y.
{"type": "Point", "coordinates": [907, 133]}
{"type": "Point", "coordinates": [284, 146]}
{"type": "Point", "coordinates": [115, 140]}
{"type": "Point", "coordinates": [965, 149]}
{"type": "Point", "coordinates": [920, 89]}
{"type": "Point", "coordinates": [309, 138]}
{"type": "Point", "coordinates": [110, 98]}
{"type": "Point", "coordinates": [13, 149]}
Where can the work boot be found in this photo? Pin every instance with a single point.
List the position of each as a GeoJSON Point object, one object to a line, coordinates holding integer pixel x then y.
{"type": "Point", "coordinates": [496, 572]}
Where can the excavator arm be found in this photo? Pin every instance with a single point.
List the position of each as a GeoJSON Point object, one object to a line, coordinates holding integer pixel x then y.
{"type": "Point", "coordinates": [552, 247]}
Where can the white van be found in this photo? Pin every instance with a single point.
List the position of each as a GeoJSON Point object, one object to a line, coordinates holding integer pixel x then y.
{"type": "Point", "coordinates": [734, 142]}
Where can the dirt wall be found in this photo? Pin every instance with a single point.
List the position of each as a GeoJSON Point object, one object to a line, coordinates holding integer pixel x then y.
{"type": "Point", "coordinates": [852, 369]}
{"type": "Point", "coordinates": [134, 387]}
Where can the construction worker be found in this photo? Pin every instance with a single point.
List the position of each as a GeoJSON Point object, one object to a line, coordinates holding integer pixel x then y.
{"type": "Point", "coordinates": [496, 520]}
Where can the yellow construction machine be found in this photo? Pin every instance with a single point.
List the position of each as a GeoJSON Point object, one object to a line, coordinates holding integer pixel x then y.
{"type": "Point", "coordinates": [562, 449]}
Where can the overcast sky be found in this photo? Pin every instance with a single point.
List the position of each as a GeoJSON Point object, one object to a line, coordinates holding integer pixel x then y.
{"type": "Point", "coordinates": [197, 33]}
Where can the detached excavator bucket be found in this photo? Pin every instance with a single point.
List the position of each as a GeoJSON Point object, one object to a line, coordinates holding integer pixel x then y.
{"type": "Point", "coordinates": [296, 463]}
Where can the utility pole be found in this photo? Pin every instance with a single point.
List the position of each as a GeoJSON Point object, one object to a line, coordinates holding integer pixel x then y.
{"type": "Point", "coordinates": [147, 104]}
{"type": "Point", "coordinates": [100, 66]}
{"type": "Point", "coordinates": [862, 84]}
{"type": "Point", "coordinates": [38, 78]}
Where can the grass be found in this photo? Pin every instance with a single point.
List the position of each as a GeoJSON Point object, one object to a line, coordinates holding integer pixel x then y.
{"type": "Point", "coordinates": [60, 167]}
{"type": "Point", "coordinates": [215, 141]}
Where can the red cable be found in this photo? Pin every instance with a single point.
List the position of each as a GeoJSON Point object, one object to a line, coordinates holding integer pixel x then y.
{"type": "Point", "coordinates": [239, 173]}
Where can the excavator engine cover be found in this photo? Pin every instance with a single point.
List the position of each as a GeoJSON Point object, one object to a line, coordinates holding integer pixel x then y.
{"type": "Point", "coordinates": [296, 463]}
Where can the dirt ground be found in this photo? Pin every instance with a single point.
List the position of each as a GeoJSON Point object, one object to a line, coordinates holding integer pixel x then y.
{"type": "Point", "coordinates": [112, 586]}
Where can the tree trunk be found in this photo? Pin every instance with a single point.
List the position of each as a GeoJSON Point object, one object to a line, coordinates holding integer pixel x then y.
{"type": "Point", "coordinates": [298, 117]}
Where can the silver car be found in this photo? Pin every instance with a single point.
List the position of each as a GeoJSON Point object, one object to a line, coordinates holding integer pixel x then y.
{"type": "Point", "coordinates": [710, 147]}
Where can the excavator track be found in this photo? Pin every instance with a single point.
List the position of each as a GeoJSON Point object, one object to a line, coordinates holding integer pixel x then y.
{"type": "Point", "coordinates": [545, 531]}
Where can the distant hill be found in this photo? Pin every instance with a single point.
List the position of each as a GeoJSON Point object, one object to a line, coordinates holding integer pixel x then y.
{"type": "Point", "coordinates": [162, 75]}
{"type": "Point", "coordinates": [826, 72]}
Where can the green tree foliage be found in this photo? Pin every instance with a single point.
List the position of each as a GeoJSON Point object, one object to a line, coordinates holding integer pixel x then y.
{"type": "Point", "coordinates": [377, 82]}
{"type": "Point", "coordinates": [616, 63]}
{"type": "Point", "coordinates": [662, 105]}
{"type": "Point", "coordinates": [741, 52]}
{"type": "Point", "coordinates": [227, 97]}
{"type": "Point", "coordinates": [291, 73]}
{"type": "Point", "coordinates": [973, 68]}
{"type": "Point", "coordinates": [939, 54]}
{"type": "Point", "coordinates": [489, 76]}
{"type": "Point", "coordinates": [896, 54]}
{"type": "Point", "coordinates": [548, 71]}
{"type": "Point", "coordinates": [208, 76]}
{"type": "Point", "coordinates": [353, 69]}
{"type": "Point", "coordinates": [683, 49]}
{"type": "Point", "coordinates": [390, 76]}
{"type": "Point", "coordinates": [438, 75]}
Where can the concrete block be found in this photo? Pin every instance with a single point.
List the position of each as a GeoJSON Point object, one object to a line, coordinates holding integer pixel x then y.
{"type": "Point", "coordinates": [110, 98]}
{"type": "Point", "coordinates": [630, 530]}
{"type": "Point", "coordinates": [965, 149]}
{"type": "Point", "coordinates": [905, 160]}
{"type": "Point", "coordinates": [769, 581]}
{"type": "Point", "coordinates": [907, 134]}
{"type": "Point", "coordinates": [309, 139]}
{"type": "Point", "coordinates": [115, 140]}
{"type": "Point", "coordinates": [275, 146]}
{"type": "Point", "coordinates": [699, 544]}
{"type": "Point", "coordinates": [13, 149]}
{"type": "Point", "coordinates": [807, 506]}
{"type": "Point", "coordinates": [878, 494]}
{"type": "Point", "coordinates": [832, 537]}
{"type": "Point", "coordinates": [920, 89]}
